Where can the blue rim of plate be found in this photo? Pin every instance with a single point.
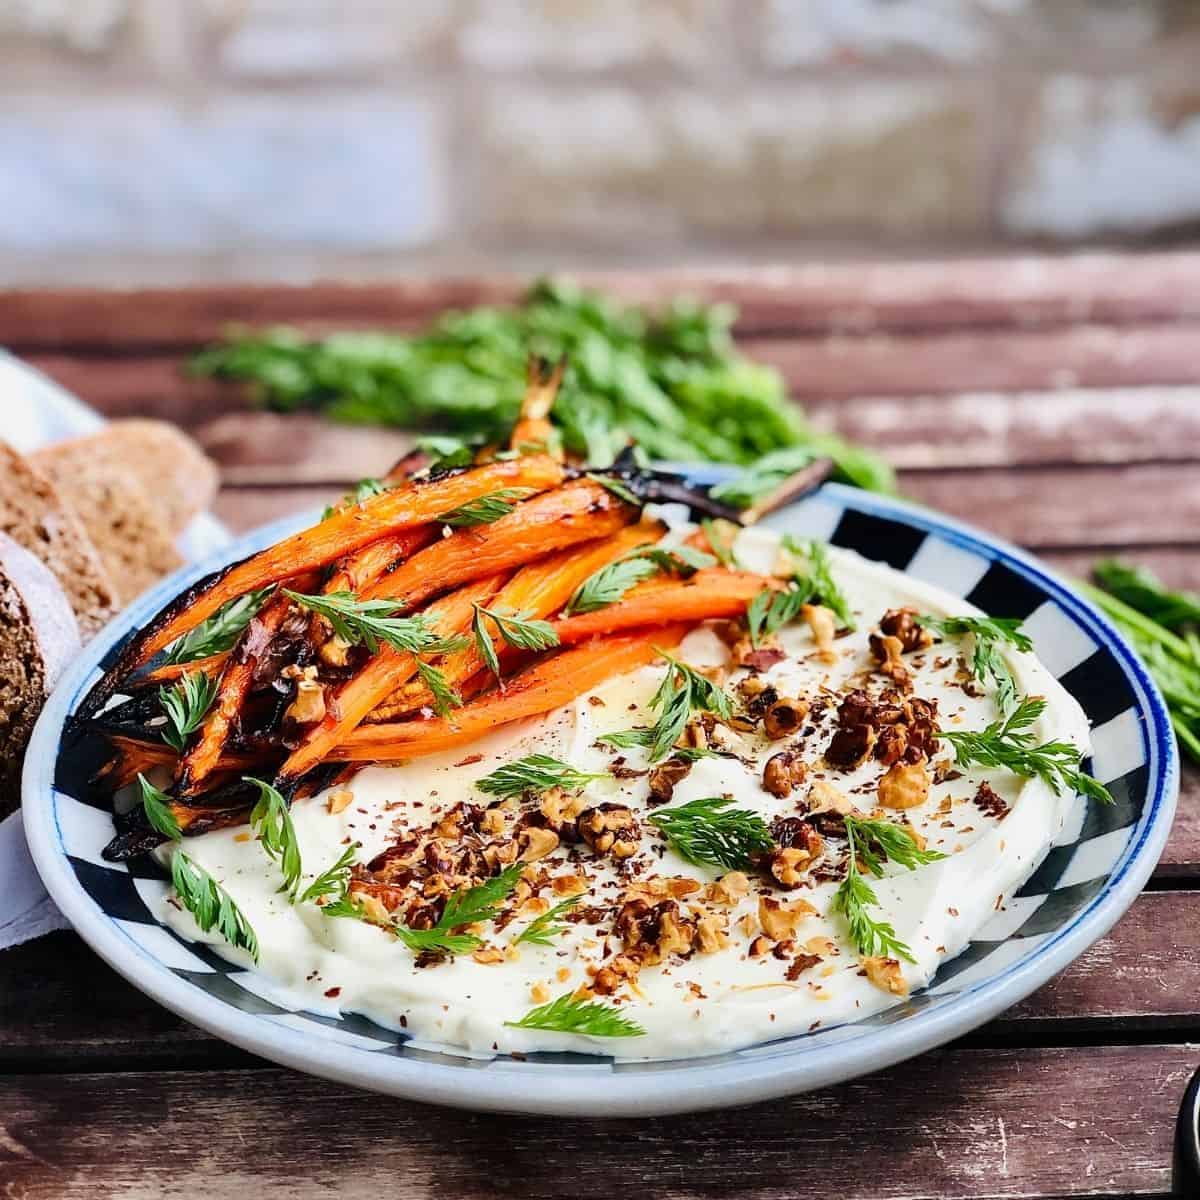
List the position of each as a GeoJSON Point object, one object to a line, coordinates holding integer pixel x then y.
{"type": "Point", "coordinates": [337, 1048]}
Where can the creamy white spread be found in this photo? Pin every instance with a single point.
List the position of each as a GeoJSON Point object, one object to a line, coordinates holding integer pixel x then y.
{"type": "Point", "coordinates": [702, 1003]}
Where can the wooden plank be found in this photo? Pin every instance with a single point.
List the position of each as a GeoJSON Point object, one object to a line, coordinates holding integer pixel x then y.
{"type": "Point", "coordinates": [983, 360]}
{"type": "Point", "coordinates": [62, 1006]}
{"type": "Point", "coordinates": [957, 1124]}
{"type": "Point", "coordinates": [815, 298]}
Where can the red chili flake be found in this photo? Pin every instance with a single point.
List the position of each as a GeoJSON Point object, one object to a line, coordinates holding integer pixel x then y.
{"type": "Point", "coordinates": [470, 760]}
{"type": "Point", "coordinates": [333, 992]}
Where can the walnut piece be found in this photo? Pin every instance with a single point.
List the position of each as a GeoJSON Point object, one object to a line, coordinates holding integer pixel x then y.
{"type": "Point", "coordinates": [824, 797]}
{"type": "Point", "coordinates": [711, 935]}
{"type": "Point", "coordinates": [885, 974]}
{"type": "Point", "coordinates": [823, 623]}
{"type": "Point", "coordinates": [783, 771]}
{"type": "Point", "coordinates": [904, 785]}
{"type": "Point", "coordinates": [729, 889]}
{"type": "Point", "coordinates": [888, 652]}
{"type": "Point", "coordinates": [784, 717]}
{"type": "Point", "coordinates": [788, 865]}
{"type": "Point", "coordinates": [308, 707]}
{"type": "Point", "coordinates": [665, 776]}
{"type": "Point", "coordinates": [780, 920]}
{"type": "Point", "coordinates": [901, 623]}
{"type": "Point", "coordinates": [488, 955]}
{"type": "Point", "coordinates": [610, 829]}
{"type": "Point", "coordinates": [339, 801]}
{"type": "Point", "coordinates": [537, 843]}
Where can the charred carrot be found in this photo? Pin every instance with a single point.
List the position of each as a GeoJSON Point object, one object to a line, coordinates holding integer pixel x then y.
{"type": "Point", "coordinates": [709, 594]}
{"type": "Point", "coordinates": [133, 757]}
{"type": "Point", "coordinates": [572, 514]}
{"type": "Point", "coordinates": [533, 427]}
{"type": "Point", "coordinates": [341, 533]}
{"type": "Point", "coordinates": [544, 687]}
{"type": "Point", "coordinates": [537, 590]}
{"type": "Point", "coordinates": [378, 679]}
{"type": "Point", "coordinates": [211, 666]}
{"type": "Point", "coordinates": [202, 757]}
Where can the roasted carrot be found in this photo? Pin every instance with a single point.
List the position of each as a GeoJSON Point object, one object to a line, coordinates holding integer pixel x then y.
{"type": "Point", "coordinates": [379, 678]}
{"type": "Point", "coordinates": [203, 755]}
{"type": "Point", "coordinates": [133, 757]}
{"type": "Point", "coordinates": [575, 513]}
{"type": "Point", "coordinates": [211, 665]}
{"type": "Point", "coordinates": [362, 568]}
{"type": "Point", "coordinates": [707, 595]}
{"type": "Point", "coordinates": [542, 382]}
{"type": "Point", "coordinates": [341, 533]}
{"type": "Point", "coordinates": [543, 687]}
{"type": "Point", "coordinates": [537, 590]}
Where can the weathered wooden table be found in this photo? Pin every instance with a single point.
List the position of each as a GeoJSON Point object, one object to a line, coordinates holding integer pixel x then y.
{"type": "Point", "coordinates": [1055, 402]}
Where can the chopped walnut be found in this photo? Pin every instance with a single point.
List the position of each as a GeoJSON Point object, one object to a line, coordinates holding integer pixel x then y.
{"type": "Point", "coordinates": [780, 920]}
{"type": "Point", "coordinates": [905, 785]}
{"type": "Point", "coordinates": [488, 955]}
{"type": "Point", "coordinates": [372, 908]}
{"type": "Point", "coordinates": [711, 935]}
{"type": "Point", "coordinates": [539, 993]}
{"type": "Point", "coordinates": [888, 652]}
{"type": "Point", "coordinates": [665, 776]}
{"type": "Point", "coordinates": [729, 889]}
{"type": "Point", "coordinates": [800, 964]}
{"type": "Point", "coordinates": [569, 885]}
{"type": "Point", "coordinates": [615, 973]}
{"type": "Point", "coordinates": [610, 829]}
{"type": "Point", "coordinates": [760, 946]}
{"type": "Point", "coordinates": [823, 624]}
{"type": "Point", "coordinates": [784, 717]}
{"type": "Point", "coordinates": [901, 623]}
{"type": "Point", "coordinates": [885, 974]}
{"type": "Point", "coordinates": [561, 809]}
{"type": "Point", "coordinates": [659, 887]}
{"type": "Point", "coordinates": [783, 771]}
{"type": "Point", "coordinates": [339, 801]}
{"type": "Point", "coordinates": [788, 865]}
{"type": "Point", "coordinates": [655, 931]}
{"type": "Point", "coordinates": [537, 843]}
{"type": "Point", "coordinates": [308, 707]}
{"type": "Point", "coordinates": [493, 821]}
{"type": "Point", "coordinates": [335, 651]}
{"type": "Point", "coordinates": [824, 797]}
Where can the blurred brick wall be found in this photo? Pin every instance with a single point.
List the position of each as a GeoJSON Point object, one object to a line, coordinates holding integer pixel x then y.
{"type": "Point", "coordinates": [156, 139]}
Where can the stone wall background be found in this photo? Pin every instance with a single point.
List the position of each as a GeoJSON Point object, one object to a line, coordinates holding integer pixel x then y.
{"type": "Point", "coordinates": [163, 140]}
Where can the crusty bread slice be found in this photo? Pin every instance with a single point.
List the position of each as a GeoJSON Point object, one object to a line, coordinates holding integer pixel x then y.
{"type": "Point", "coordinates": [171, 469]}
{"type": "Point", "coordinates": [132, 538]}
{"type": "Point", "coordinates": [38, 637]}
{"type": "Point", "coordinates": [35, 515]}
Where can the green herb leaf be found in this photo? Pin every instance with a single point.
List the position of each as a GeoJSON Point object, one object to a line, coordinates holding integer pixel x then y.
{"type": "Point", "coordinates": [610, 583]}
{"type": "Point", "coordinates": [186, 705]}
{"type": "Point", "coordinates": [519, 630]}
{"type": "Point", "coordinates": [710, 833]}
{"type": "Point", "coordinates": [210, 904]}
{"type": "Point", "coordinates": [542, 931]}
{"type": "Point", "coordinates": [818, 584]}
{"type": "Point", "coordinates": [987, 662]}
{"type": "Point", "coordinates": [771, 610]}
{"type": "Point", "coordinates": [158, 810]}
{"type": "Point", "coordinates": [467, 907]}
{"type": "Point", "coordinates": [617, 488]}
{"type": "Point", "coordinates": [445, 698]}
{"type": "Point", "coordinates": [721, 547]}
{"type": "Point", "coordinates": [364, 489]}
{"type": "Point", "coordinates": [682, 693]}
{"type": "Point", "coordinates": [334, 881]}
{"type": "Point", "coordinates": [272, 822]}
{"type": "Point", "coordinates": [534, 774]}
{"type": "Point", "coordinates": [1006, 744]}
{"type": "Point", "coordinates": [220, 631]}
{"type": "Point", "coordinates": [446, 453]}
{"type": "Point", "coordinates": [373, 621]}
{"type": "Point", "coordinates": [1142, 590]}
{"type": "Point", "coordinates": [568, 1014]}
{"type": "Point", "coordinates": [868, 840]}
{"type": "Point", "coordinates": [484, 509]}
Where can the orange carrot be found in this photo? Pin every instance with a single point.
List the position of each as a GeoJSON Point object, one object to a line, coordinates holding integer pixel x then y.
{"type": "Point", "coordinates": [362, 568]}
{"type": "Point", "coordinates": [132, 758]}
{"type": "Point", "coordinates": [212, 665]}
{"type": "Point", "coordinates": [537, 590]}
{"type": "Point", "coordinates": [707, 595]}
{"type": "Point", "coordinates": [341, 533]}
{"type": "Point", "coordinates": [546, 686]}
{"type": "Point", "coordinates": [575, 513]}
{"type": "Point", "coordinates": [379, 678]}
{"type": "Point", "coordinates": [542, 382]}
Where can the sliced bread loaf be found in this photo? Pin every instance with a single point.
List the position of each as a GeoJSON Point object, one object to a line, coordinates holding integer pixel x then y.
{"type": "Point", "coordinates": [38, 637]}
{"type": "Point", "coordinates": [171, 469]}
{"type": "Point", "coordinates": [35, 515]}
{"type": "Point", "coordinates": [132, 538]}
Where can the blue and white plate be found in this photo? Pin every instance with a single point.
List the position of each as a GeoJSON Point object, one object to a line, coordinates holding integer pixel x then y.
{"type": "Point", "coordinates": [1086, 881]}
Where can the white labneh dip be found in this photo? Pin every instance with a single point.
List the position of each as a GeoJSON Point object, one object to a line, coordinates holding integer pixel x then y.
{"type": "Point", "coordinates": [750, 989]}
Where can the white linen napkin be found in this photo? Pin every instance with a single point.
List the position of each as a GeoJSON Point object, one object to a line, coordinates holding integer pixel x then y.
{"type": "Point", "coordinates": [34, 412]}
